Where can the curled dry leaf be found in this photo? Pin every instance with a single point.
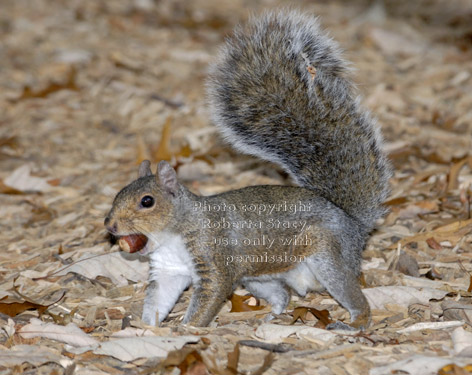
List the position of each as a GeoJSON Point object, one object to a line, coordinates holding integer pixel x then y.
{"type": "Point", "coordinates": [33, 354]}
{"type": "Point", "coordinates": [433, 274]}
{"type": "Point", "coordinates": [433, 244]}
{"type": "Point", "coordinates": [453, 182]}
{"type": "Point", "coordinates": [164, 150]}
{"type": "Point", "coordinates": [240, 303]}
{"type": "Point", "coordinates": [301, 312]}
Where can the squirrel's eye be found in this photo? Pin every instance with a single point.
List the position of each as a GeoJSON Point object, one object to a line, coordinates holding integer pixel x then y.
{"type": "Point", "coordinates": [147, 201]}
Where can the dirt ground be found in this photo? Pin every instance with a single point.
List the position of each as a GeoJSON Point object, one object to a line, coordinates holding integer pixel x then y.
{"type": "Point", "coordinates": [91, 88]}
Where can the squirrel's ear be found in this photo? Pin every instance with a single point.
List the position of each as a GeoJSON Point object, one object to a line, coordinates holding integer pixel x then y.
{"type": "Point", "coordinates": [144, 169]}
{"type": "Point", "coordinates": [167, 178]}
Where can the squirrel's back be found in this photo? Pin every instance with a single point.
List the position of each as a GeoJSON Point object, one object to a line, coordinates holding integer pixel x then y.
{"type": "Point", "coordinates": [279, 91]}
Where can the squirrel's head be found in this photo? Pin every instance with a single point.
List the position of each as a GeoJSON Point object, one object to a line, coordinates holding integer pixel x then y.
{"type": "Point", "coordinates": [146, 205]}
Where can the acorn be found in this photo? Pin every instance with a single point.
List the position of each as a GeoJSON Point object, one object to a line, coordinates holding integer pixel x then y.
{"type": "Point", "coordinates": [132, 242]}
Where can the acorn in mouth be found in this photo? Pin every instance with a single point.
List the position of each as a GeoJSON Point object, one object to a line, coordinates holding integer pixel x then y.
{"type": "Point", "coordinates": [132, 242]}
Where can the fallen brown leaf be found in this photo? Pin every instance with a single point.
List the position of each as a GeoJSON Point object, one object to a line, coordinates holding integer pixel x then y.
{"type": "Point", "coordinates": [433, 244]}
{"type": "Point", "coordinates": [53, 87]}
{"type": "Point", "coordinates": [302, 311]}
{"type": "Point", "coordinates": [454, 369]}
{"type": "Point", "coordinates": [452, 232]}
{"type": "Point", "coordinates": [233, 360]}
{"type": "Point", "coordinates": [239, 304]}
{"type": "Point", "coordinates": [193, 364]}
{"type": "Point", "coordinates": [5, 189]}
{"type": "Point", "coordinates": [15, 307]}
{"type": "Point", "coordinates": [164, 151]}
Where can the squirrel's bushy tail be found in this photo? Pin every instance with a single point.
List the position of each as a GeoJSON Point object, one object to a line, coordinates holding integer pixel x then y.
{"type": "Point", "coordinates": [279, 91]}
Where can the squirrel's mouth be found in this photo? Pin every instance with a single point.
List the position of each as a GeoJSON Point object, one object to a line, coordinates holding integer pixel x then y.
{"type": "Point", "coordinates": [132, 243]}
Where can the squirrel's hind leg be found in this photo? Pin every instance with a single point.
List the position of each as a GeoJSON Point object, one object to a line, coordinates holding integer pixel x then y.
{"type": "Point", "coordinates": [207, 298]}
{"type": "Point", "coordinates": [275, 292]}
{"type": "Point", "coordinates": [343, 285]}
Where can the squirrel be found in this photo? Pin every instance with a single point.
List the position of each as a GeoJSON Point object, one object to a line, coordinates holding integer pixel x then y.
{"type": "Point", "coordinates": [279, 90]}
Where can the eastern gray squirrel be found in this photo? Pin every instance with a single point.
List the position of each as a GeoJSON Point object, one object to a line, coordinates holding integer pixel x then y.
{"type": "Point", "coordinates": [278, 91]}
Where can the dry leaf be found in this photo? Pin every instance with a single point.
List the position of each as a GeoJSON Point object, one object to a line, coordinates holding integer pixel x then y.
{"type": "Point", "coordinates": [239, 303]}
{"type": "Point", "coordinates": [416, 364]}
{"type": "Point", "coordinates": [276, 348]}
{"type": "Point", "coordinates": [453, 369]}
{"type": "Point", "coordinates": [453, 233]}
{"type": "Point", "coordinates": [193, 364]}
{"type": "Point", "coordinates": [133, 332]}
{"type": "Point", "coordinates": [34, 354]}
{"type": "Point", "coordinates": [119, 267]}
{"type": "Point", "coordinates": [130, 349]}
{"type": "Point", "coordinates": [431, 325]}
{"type": "Point", "coordinates": [400, 295]}
{"type": "Point", "coordinates": [21, 179]}
{"type": "Point", "coordinates": [406, 264]}
{"type": "Point", "coordinates": [164, 150]}
{"type": "Point", "coordinates": [233, 360]}
{"type": "Point", "coordinates": [5, 189]}
{"type": "Point", "coordinates": [301, 312]}
{"type": "Point", "coordinates": [433, 274]}
{"type": "Point", "coordinates": [433, 244]}
{"type": "Point", "coordinates": [12, 306]}
{"type": "Point", "coordinates": [51, 88]}
{"type": "Point", "coordinates": [462, 341]}
{"type": "Point", "coordinates": [394, 43]}
{"type": "Point", "coordinates": [453, 182]}
{"type": "Point", "coordinates": [69, 334]}
{"type": "Point", "coordinates": [276, 333]}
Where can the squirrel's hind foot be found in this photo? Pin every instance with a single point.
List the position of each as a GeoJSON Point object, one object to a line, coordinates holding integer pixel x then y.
{"type": "Point", "coordinates": [341, 326]}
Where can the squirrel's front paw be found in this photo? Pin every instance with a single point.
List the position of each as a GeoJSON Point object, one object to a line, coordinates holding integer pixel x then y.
{"type": "Point", "coordinates": [268, 317]}
{"type": "Point", "coordinates": [341, 326]}
{"type": "Point", "coordinates": [149, 317]}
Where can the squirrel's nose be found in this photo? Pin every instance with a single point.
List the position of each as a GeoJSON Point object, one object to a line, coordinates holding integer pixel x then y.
{"type": "Point", "coordinates": [111, 228]}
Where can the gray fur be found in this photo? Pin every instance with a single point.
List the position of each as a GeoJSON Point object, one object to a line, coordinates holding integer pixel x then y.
{"type": "Point", "coordinates": [266, 103]}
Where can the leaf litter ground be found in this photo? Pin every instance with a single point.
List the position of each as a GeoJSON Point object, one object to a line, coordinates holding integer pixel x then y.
{"type": "Point", "coordinates": [89, 89]}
